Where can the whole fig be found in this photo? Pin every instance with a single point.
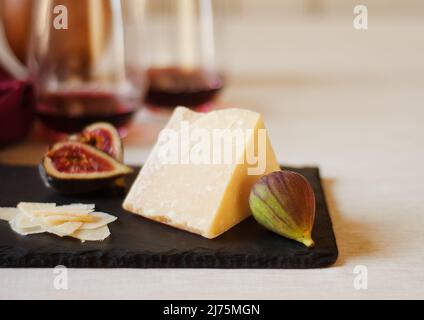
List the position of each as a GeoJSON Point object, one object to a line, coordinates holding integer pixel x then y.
{"type": "Point", "coordinates": [284, 202]}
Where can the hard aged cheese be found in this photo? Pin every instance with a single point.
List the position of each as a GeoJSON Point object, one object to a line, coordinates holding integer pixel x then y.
{"type": "Point", "coordinates": [74, 220]}
{"type": "Point", "coordinates": [200, 172]}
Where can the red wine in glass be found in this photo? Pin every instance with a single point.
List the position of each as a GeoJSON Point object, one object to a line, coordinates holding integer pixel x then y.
{"type": "Point", "coordinates": [174, 86]}
{"type": "Point", "coordinates": [71, 111]}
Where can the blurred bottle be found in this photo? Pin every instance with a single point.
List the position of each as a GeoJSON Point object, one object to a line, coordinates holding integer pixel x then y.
{"type": "Point", "coordinates": [16, 15]}
{"type": "Point", "coordinates": [182, 38]}
{"type": "Point", "coordinates": [82, 67]}
{"type": "Point", "coordinates": [16, 110]}
{"type": "Point", "coordinates": [16, 93]}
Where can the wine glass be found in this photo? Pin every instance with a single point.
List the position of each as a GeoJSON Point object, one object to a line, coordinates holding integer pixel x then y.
{"type": "Point", "coordinates": [82, 63]}
{"type": "Point", "coordinates": [182, 63]}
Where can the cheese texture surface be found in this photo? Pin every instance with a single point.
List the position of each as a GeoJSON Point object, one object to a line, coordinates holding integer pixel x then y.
{"type": "Point", "coordinates": [197, 186]}
{"type": "Point", "coordinates": [74, 220]}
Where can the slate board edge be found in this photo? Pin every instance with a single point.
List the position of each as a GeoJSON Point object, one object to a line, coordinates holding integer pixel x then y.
{"type": "Point", "coordinates": [178, 261]}
{"type": "Point", "coordinates": [333, 235]}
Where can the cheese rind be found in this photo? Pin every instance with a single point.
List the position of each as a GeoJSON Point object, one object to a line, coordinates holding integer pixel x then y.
{"type": "Point", "coordinates": [206, 198]}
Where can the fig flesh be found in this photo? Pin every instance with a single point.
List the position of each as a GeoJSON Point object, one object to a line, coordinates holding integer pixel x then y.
{"type": "Point", "coordinates": [104, 137]}
{"type": "Point", "coordinates": [284, 202]}
{"type": "Point", "coordinates": [74, 167]}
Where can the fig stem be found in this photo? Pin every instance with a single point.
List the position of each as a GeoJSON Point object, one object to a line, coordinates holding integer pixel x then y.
{"type": "Point", "coordinates": [307, 241]}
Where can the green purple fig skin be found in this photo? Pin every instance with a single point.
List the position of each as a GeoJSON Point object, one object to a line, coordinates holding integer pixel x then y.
{"type": "Point", "coordinates": [284, 202]}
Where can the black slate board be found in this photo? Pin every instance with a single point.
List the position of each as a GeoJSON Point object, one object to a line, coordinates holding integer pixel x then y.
{"type": "Point", "coordinates": [140, 243]}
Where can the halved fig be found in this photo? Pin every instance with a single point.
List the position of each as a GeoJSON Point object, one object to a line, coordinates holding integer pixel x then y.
{"type": "Point", "coordinates": [74, 167]}
{"type": "Point", "coordinates": [104, 137]}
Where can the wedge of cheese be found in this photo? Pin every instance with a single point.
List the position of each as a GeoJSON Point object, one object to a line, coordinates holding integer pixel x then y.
{"type": "Point", "coordinates": [195, 194]}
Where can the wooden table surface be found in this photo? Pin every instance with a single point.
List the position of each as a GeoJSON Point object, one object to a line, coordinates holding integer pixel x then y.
{"type": "Point", "coordinates": [348, 101]}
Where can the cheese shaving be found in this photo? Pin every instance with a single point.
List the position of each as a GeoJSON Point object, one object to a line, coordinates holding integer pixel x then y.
{"type": "Point", "coordinates": [102, 220]}
{"type": "Point", "coordinates": [8, 214]}
{"type": "Point", "coordinates": [98, 234]}
{"type": "Point", "coordinates": [65, 229]}
{"type": "Point", "coordinates": [75, 220]}
{"type": "Point", "coordinates": [55, 220]}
